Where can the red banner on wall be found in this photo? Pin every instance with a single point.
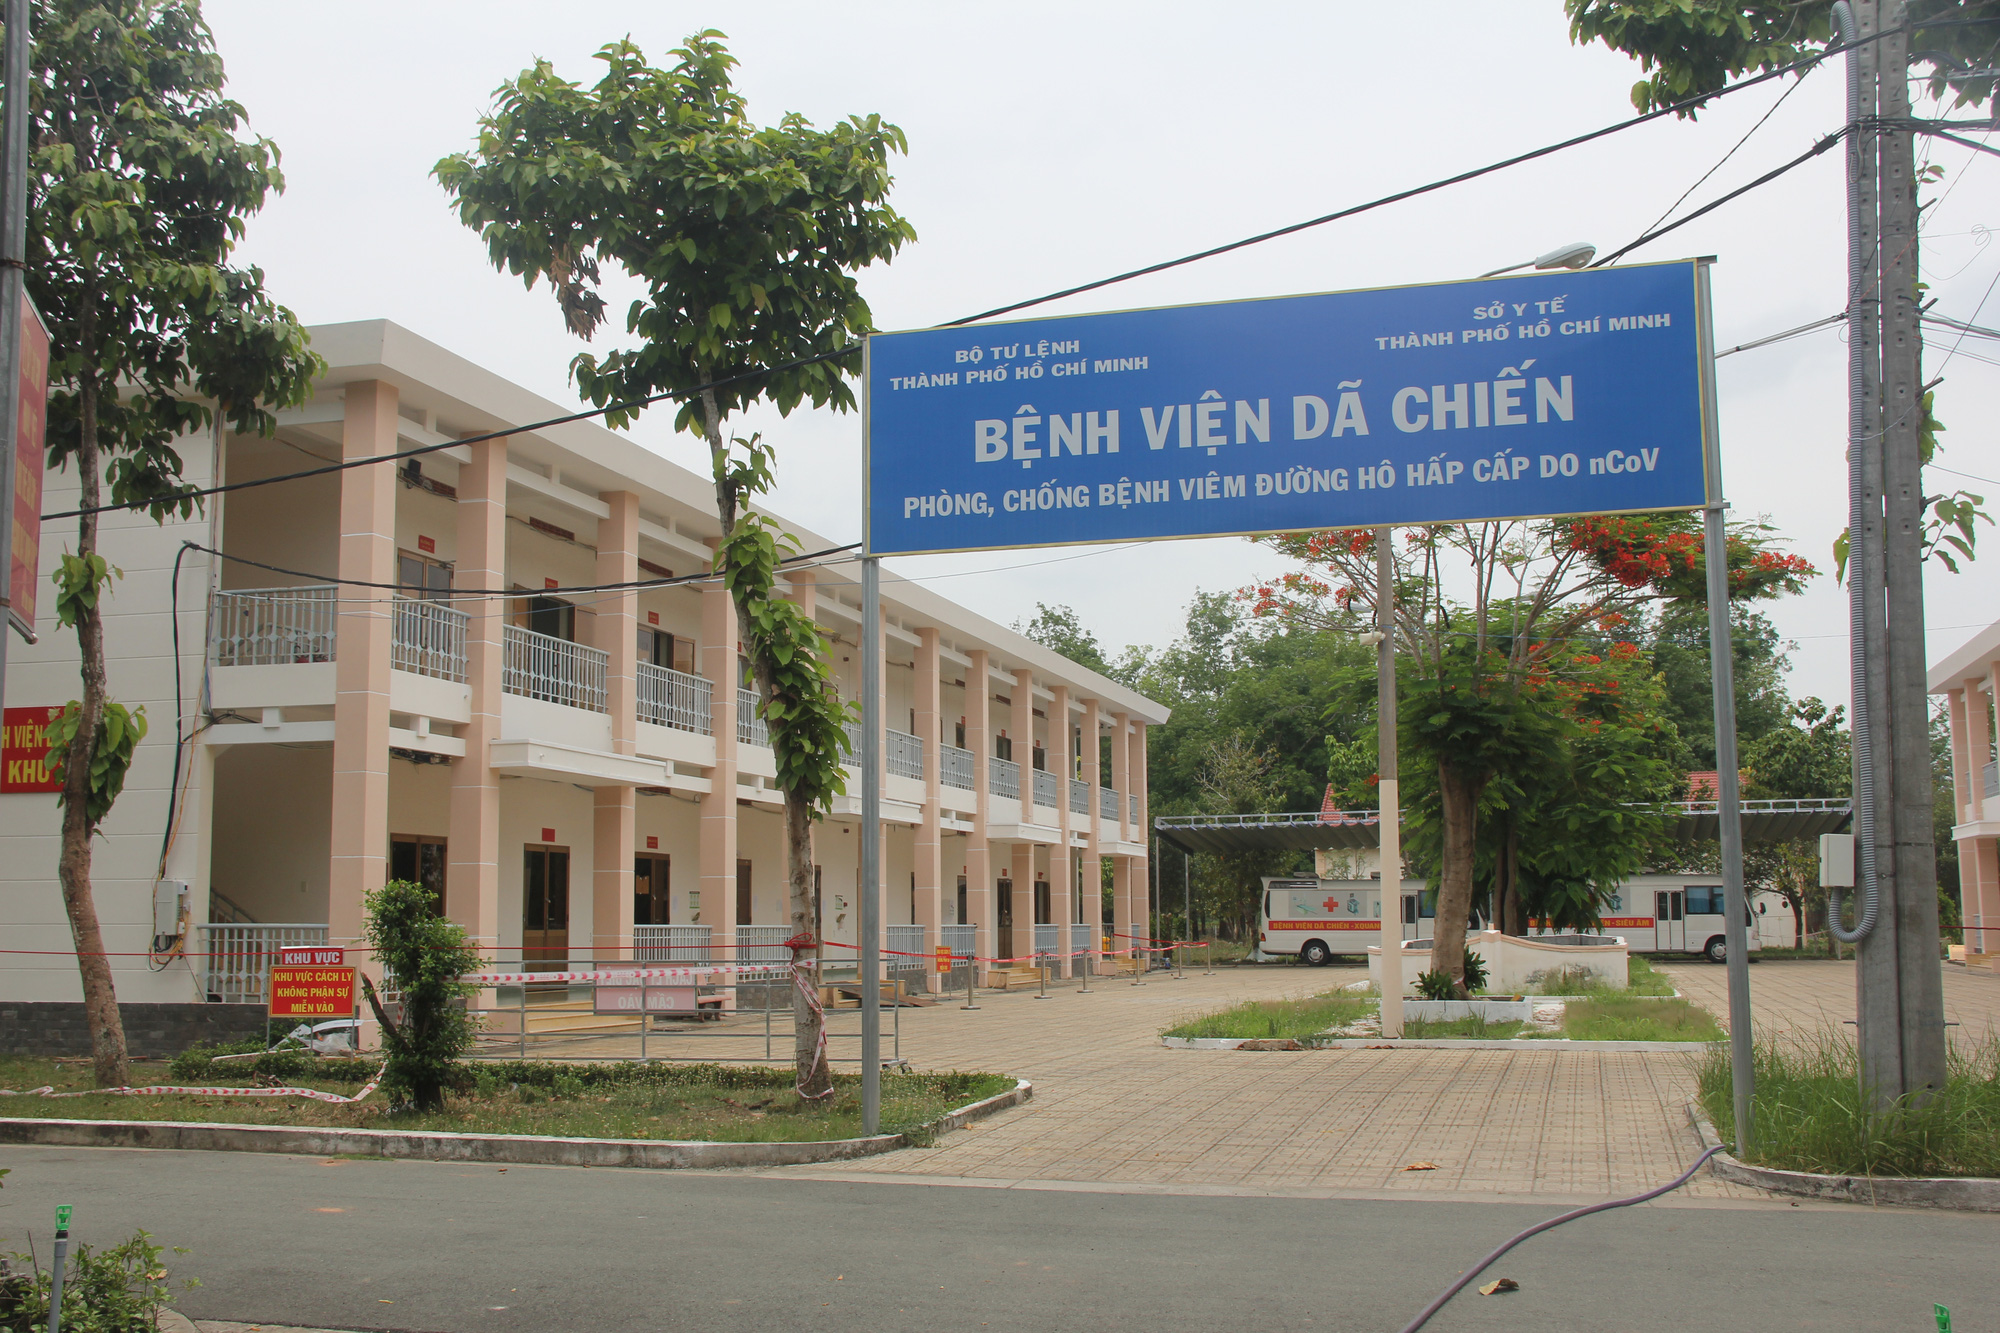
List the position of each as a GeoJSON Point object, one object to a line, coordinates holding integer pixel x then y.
{"type": "Point", "coordinates": [24, 755]}
{"type": "Point", "coordinates": [312, 992]}
{"type": "Point", "coordinates": [30, 438]}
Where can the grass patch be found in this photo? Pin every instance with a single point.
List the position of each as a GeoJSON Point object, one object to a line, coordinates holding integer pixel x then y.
{"type": "Point", "coordinates": [724, 1103]}
{"type": "Point", "coordinates": [1810, 1115]}
{"type": "Point", "coordinates": [1257, 1019]}
{"type": "Point", "coordinates": [1612, 1017]}
{"type": "Point", "coordinates": [1472, 1025]}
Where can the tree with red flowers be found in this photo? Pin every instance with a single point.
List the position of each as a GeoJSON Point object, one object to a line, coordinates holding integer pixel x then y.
{"type": "Point", "coordinates": [1494, 686]}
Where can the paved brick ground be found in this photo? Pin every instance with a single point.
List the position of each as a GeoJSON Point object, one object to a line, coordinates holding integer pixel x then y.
{"type": "Point", "coordinates": [1115, 1109]}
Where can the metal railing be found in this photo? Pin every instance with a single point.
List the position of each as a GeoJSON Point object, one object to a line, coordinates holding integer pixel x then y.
{"type": "Point", "coordinates": [676, 945]}
{"type": "Point", "coordinates": [670, 698]}
{"type": "Point", "coordinates": [906, 949]}
{"type": "Point", "coordinates": [765, 944]}
{"type": "Point", "coordinates": [1079, 796]}
{"type": "Point", "coordinates": [1048, 940]}
{"type": "Point", "coordinates": [1989, 780]}
{"type": "Point", "coordinates": [1133, 818]}
{"type": "Point", "coordinates": [1003, 776]}
{"type": "Point", "coordinates": [904, 755]}
{"type": "Point", "coordinates": [963, 941]}
{"type": "Point", "coordinates": [237, 958]}
{"type": "Point", "coordinates": [272, 626]}
{"type": "Point", "coordinates": [852, 730]}
{"type": "Point", "coordinates": [1048, 789]}
{"type": "Point", "coordinates": [956, 766]}
{"type": "Point", "coordinates": [1107, 803]}
{"type": "Point", "coordinates": [1080, 942]}
{"type": "Point", "coordinates": [428, 638]}
{"type": "Point", "coordinates": [541, 666]}
{"type": "Point", "coordinates": [750, 729]}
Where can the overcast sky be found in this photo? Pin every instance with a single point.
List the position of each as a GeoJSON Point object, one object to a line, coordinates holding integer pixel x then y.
{"type": "Point", "coordinates": [1052, 144]}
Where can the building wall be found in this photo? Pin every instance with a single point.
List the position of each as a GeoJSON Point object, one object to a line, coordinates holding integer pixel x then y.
{"type": "Point", "coordinates": [273, 830]}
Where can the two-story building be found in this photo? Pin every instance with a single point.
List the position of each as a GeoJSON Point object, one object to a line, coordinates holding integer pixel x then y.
{"type": "Point", "coordinates": [402, 670]}
{"type": "Point", "coordinates": [1967, 678]}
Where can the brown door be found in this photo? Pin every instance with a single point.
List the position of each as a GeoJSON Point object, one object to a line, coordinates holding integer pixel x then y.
{"type": "Point", "coordinates": [545, 909]}
{"type": "Point", "coordinates": [1006, 893]}
{"type": "Point", "coordinates": [743, 904]}
{"type": "Point", "coordinates": [651, 886]}
{"type": "Point", "coordinates": [419, 860]}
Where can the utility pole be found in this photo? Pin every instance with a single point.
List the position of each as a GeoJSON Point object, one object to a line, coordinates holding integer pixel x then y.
{"type": "Point", "coordinates": [1389, 805]}
{"type": "Point", "coordinates": [1900, 1000]}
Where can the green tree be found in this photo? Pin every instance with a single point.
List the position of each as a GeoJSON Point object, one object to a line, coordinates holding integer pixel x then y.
{"type": "Point", "coordinates": [1471, 668]}
{"type": "Point", "coordinates": [1060, 629]}
{"type": "Point", "coordinates": [426, 954]}
{"type": "Point", "coordinates": [745, 240]}
{"type": "Point", "coordinates": [139, 188]}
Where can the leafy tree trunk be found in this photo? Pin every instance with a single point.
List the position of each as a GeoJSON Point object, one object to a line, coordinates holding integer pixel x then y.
{"type": "Point", "coordinates": [814, 1076]}
{"type": "Point", "coordinates": [100, 995]}
{"type": "Point", "coordinates": [1460, 802]}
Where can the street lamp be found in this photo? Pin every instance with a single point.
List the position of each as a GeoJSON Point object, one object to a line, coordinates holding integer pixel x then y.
{"type": "Point", "coordinates": [1574, 255]}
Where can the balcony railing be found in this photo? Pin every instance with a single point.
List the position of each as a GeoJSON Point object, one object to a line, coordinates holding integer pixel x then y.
{"type": "Point", "coordinates": [237, 959]}
{"type": "Point", "coordinates": [1079, 796]}
{"type": "Point", "coordinates": [541, 666]}
{"type": "Point", "coordinates": [853, 732]}
{"type": "Point", "coordinates": [1989, 780]}
{"type": "Point", "coordinates": [1107, 803]}
{"type": "Point", "coordinates": [272, 626]}
{"type": "Point", "coordinates": [1003, 776]}
{"type": "Point", "coordinates": [905, 755]}
{"type": "Point", "coordinates": [956, 766]}
{"type": "Point", "coordinates": [750, 729]}
{"type": "Point", "coordinates": [1133, 801]}
{"type": "Point", "coordinates": [428, 638]}
{"type": "Point", "coordinates": [765, 944]}
{"type": "Point", "coordinates": [1079, 938]}
{"type": "Point", "coordinates": [1047, 789]}
{"type": "Point", "coordinates": [669, 698]}
{"type": "Point", "coordinates": [906, 949]}
{"type": "Point", "coordinates": [680, 946]}
{"type": "Point", "coordinates": [961, 940]}
{"type": "Point", "coordinates": [1048, 941]}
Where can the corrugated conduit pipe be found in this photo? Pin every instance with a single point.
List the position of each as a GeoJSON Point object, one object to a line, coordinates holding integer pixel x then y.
{"type": "Point", "coordinates": [1860, 433]}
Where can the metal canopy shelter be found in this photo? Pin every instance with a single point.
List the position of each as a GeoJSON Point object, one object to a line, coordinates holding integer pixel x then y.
{"type": "Point", "coordinates": [1347, 830]}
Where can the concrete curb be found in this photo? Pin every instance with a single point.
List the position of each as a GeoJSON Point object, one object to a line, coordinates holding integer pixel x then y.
{"type": "Point", "coordinates": [438, 1146]}
{"type": "Point", "coordinates": [1972, 1194]}
{"type": "Point", "coordinates": [1423, 1044]}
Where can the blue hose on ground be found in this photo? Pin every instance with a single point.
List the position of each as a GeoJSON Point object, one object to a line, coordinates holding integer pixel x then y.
{"type": "Point", "coordinates": [1424, 1316]}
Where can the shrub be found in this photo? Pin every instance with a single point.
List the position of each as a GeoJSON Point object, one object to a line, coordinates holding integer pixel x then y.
{"type": "Point", "coordinates": [1475, 971]}
{"type": "Point", "coordinates": [1437, 984]}
{"type": "Point", "coordinates": [119, 1290]}
{"type": "Point", "coordinates": [427, 954]}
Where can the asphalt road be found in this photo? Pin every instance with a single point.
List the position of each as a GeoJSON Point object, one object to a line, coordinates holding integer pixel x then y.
{"type": "Point", "coordinates": [448, 1248]}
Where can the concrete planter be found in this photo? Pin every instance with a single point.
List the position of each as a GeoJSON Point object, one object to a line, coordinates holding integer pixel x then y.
{"type": "Point", "coordinates": [1973, 1194]}
{"type": "Point", "coordinates": [1517, 964]}
{"type": "Point", "coordinates": [445, 1147]}
{"type": "Point", "coordinates": [1493, 1011]}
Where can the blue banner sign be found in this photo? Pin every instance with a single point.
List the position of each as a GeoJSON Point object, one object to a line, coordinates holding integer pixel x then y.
{"type": "Point", "coordinates": [1513, 397]}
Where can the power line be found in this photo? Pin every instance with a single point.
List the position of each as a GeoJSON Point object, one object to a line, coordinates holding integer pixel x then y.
{"type": "Point", "coordinates": [1699, 100]}
{"type": "Point", "coordinates": [1732, 152]}
{"type": "Point", "coordinates": [1765, 179]}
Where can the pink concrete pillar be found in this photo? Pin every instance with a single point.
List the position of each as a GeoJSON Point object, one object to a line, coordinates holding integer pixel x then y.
{"type": "Point", "coordinates": [360, 825]}
{"type": "Point", "coordinates": [1062, 875]}
{"type": "Point", "coordinates": [1978, 742]}
{"type": "Point", "coordinates": [716, 659]}
{"type": "Point", "coordinates": [929, 848]}
{"type": "Point", "coordinates": [979, 863]}
{"type": "Point", "coordinates": [1090, 768]}
{"type": "Point", "coordinates": [614, 814]}
{"type": "Point", "coordinates": [1130, 915]}
{"type": "Point", "coordinates": [1021, 728]}
{"type": "Point", "coordinates": [472, 885]}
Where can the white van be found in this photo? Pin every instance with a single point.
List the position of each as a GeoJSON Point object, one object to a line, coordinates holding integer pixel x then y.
{"type": "Point", "coordinates": [1671, 914]}
{"type": "Point", "coordinates": [1318, 918]}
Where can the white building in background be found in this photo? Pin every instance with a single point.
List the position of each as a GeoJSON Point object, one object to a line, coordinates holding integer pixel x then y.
{"type": "Point", "coordinates": [579, 776]}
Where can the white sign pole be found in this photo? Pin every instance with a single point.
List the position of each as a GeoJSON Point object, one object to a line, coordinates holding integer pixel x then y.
{"type": "Point", "coordinates": [870, 958]}
{"type": "Point", "coordinates": [1389, 813]}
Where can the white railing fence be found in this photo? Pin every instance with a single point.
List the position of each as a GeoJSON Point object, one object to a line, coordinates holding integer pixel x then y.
{"type": "Point", "coordinates": [1133, 799]}
{"type": "Point", "coordinates": [1048, 940]}
{"type": "Point", "coordinates": [906, 949]}
{"type": "Point", "coordinates": [541, 666]}
{"type": "Point", "coordinates": [674, 945]}
{"type": "Point", "coordinates": [852, 730]}
{"type": "Point", "coordinates": [1107, 803]}
{"type": "Point", "coordinates": [750, 729]}
{"type": "Point", "coordinates": [956, 767]}
{"type": "Point", "coordinates": [237, 958]}
{"type": "Point", "coordinates": [1003, 777]}
{"type": "Point", "coordinates": [961, 940]}
{"type": "Point", "coordinates": [766, 944]}
{"type": "Point", "coordinates": [428, 638]}
{"type": "Point", "coordinates": [1079, 796]}
{"type": "Point", "coordinates": [1080, 942]}
{"type": "Point", "coordinates": [904, 755]}
{"type": "Point", "coordinates": [669, 698]}
{"type": "Point", "coordinates": [272, 626]}
{"type": "Point", "coordinates": [1048, 789]}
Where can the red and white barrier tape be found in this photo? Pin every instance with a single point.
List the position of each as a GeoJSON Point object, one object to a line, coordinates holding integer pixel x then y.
{"type": "Point", "coordinates": [315, 1094]}
{"type": "Point", "coordinates": [690, 973]}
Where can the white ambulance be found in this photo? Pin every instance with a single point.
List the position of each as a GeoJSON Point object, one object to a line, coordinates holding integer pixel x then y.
{"type": "Point", "coordinates": [1318, 918]}
{"type": "Point", "coordinates": [1672, 914]}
